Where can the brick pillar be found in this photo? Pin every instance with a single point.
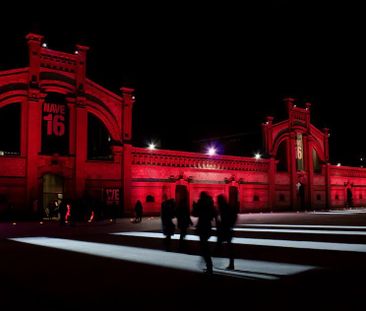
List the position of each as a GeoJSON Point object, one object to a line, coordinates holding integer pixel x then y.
{"type": "Point", "coordinates": [81, 67]}
{"type": "Point", "coordinates": [293, 172]}
{"type": "Point", "coordinates": [81, 126]}
{"type": "Point", "coordinates": [126, 179]}
{"type": "Point", "coordinates": [271, 183]}
{"type": "Point", "coordinates": [31, 116]}
{"type": "Point", "coordinates": [127, 105]}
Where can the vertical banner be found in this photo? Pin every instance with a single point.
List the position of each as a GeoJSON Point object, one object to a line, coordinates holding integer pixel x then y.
{"type": "Point", "coordinates": [299, 153]}
{"type": "Point", "coordinates": [55, 128]}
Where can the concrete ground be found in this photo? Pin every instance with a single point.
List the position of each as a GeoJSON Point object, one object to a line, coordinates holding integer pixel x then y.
{"type": "Point", "coordinates": [285, 261]}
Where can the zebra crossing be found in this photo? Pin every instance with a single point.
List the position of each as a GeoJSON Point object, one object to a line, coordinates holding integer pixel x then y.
{"type": "Point", "coordinates": [257, 269]}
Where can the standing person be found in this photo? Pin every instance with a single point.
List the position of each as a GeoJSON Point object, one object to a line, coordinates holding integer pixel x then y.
{"type": "Point", "coordinates": [62, 210]}
{"type": "Point", "coordinates": [183, 220]}
{"type": "Point", "coordinates": [205, 211]}
{"type": "Point", "coordinates": [167, 215]}
{"type": "Point", "coordinates": [228, 214]}
{"type": "Point", "coordinates": [138, 211]}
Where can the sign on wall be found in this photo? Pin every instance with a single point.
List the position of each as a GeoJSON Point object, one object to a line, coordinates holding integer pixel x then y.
{"type": "Point", "coordinates": [299, 153]}
{"type": "Point", "coordinates": [55, 128]}
{"type": "Point", "coordinates": [112, 196]}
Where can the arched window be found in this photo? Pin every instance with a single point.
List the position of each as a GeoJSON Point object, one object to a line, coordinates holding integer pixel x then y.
{"type": "Point", "coordinates": [99, 140]}
{"type": "Point", "coordinates": [316, 162]}
{"type": "Point", "coordinates": [282, 157]}
{"type": "Point", "coordinates": [10, 129]}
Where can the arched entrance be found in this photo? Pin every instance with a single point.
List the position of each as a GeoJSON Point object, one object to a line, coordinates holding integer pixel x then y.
{"type": "Point", "coordinates": [234, 197]}
{"type": "Point", "coordinates": [52, 190]}
{"type": "Point", "coordinates": [181, 194]}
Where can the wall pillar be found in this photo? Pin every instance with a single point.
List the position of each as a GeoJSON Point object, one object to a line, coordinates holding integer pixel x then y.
{"type": "Point", "coordinates": [81, 146]}
{"type": "Point", "coordinates": [271, 183]}
{"type": "Point", "coordinates": [293, 171]}
{"type": "Point", "coordinates": [126, 178]}
{"type": "Point", "coordinates": [310, 170]}
{"type": "Point", "coordinates": [31, 115]}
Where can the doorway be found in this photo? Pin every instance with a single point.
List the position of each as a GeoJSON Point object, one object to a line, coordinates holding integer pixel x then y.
{"type": "Point", "coordinates": [53, 191]}
{"type": "Point", "coordinates": [181, 194]}
{"type": "Point", "coordinates": [234, 197]}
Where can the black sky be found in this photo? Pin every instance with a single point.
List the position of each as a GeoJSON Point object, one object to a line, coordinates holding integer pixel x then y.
{"type": "Point", "coordinates": [208, 70]}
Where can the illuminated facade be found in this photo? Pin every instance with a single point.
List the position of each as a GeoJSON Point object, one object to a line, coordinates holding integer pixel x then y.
{"type": "Point", "coordinates": [71, 138]}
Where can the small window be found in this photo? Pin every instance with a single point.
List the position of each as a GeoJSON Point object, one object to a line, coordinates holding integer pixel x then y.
{"type": "Point", "coordinates": [282, 197]}
{"type": "Point", "coordinates": [337, 197]}
{"type": "Point", "coordinates": [256, 197]}
{"type": "Point", "coordinates": [360, 196]}
{"type": "Point", "coordinates": [318, 197]}
{"type": "Point", "coordinates": [150, 198]}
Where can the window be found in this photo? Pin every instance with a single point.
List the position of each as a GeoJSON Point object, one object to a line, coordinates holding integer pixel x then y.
{"type": "Point", "coordinates": [10, 124]}
{"type": "Point", "coordinates": [99, 140]}
{"type": "Point", "coordinates": [150, 198]}
{"type": "Point", "coordinates": [316, 162]}
{"type": "Point", "coordinates": [282, 157]}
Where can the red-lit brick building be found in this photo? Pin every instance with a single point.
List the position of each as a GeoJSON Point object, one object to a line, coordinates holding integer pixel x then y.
{"type": "Point", "coordinates": [63, 135]}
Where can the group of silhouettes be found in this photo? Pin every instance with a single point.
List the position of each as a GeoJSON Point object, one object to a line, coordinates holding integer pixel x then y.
{"type": "Point", "coordinates": [224, 216]}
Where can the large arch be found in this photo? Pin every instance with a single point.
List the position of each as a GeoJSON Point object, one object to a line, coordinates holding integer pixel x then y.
{"type": "Point", "coordinates": [95, 106]}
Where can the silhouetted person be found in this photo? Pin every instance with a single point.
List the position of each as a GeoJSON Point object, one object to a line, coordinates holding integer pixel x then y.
{"type": "Point", "coordinates": [349, 198]}
{"type": "Point", "coordinates": [114, 211]}
{"type": "Point", "coordinates": [228, 214]}
{"type": "Point", "coordinates": [62, 211]}
{"type": "Point", "coordinates": [138, 211]}
{"type": "Point", "coordinates": [205, 211]}
{"type": "Point", "coordinates": [167, 215]}
{"type": "Point", "coordinates": [183, 220]}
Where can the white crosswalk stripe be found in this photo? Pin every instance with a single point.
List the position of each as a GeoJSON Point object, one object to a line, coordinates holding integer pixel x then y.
{"type": "Point", "coordinates": [328, 246]}
{"type": "Point", "coordinates": [353, 211]}
{"type": "Point", "coordinates": [250, 269]}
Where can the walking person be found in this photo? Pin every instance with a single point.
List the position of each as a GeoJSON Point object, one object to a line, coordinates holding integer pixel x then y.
{"type": "Point", "coordinates": [228, 214]}
{"type": "Point", "coordinates": [167, 215]}
{"type": "Point", "coordinates": [183, 220]}
{"type": "Point", "coordinates": [206, 213]}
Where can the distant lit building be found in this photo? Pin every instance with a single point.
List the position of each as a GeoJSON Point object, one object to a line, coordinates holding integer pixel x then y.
{"type": "Point", "coordinates": [64, 136]}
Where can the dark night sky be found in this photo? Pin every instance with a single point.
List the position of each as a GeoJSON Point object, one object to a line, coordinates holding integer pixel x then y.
{"type": "Point", "coordinates": [210, 70]}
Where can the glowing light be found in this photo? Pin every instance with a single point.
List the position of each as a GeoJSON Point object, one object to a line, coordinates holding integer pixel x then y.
{"type": "Point", "coordinates": [76, 52]}
{"type": "Point", "coordinates": [257, 156]}
{"type": "Point", "coordinates": [41, 222]}
{"type": "Point", "coordinates": [338, 164]}
{"type": "Point", "coordinates": [44, 44]}
{"type": "Point", "coordinates": [91, 217]}
{"type": "Point", "coordinates": [152, 146]}
{"type": "Point", "coordinates": [14, 223]}
{"type": "Point", "coordinates": [2, 153]}
{"type": "Point", "coordinates": [109, 138]}
{"type": "Point", "coordinates": [211, 151]}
